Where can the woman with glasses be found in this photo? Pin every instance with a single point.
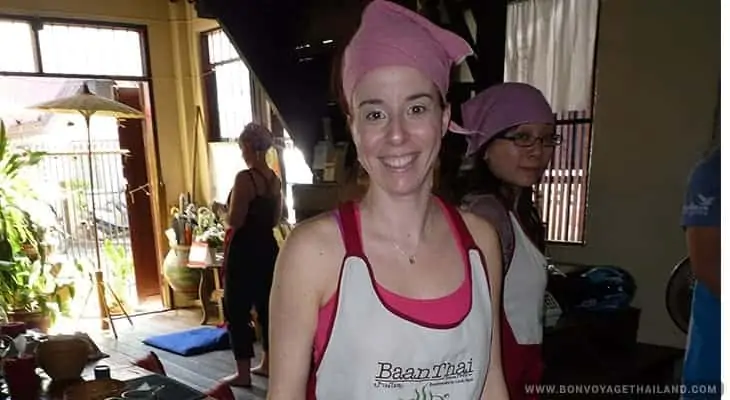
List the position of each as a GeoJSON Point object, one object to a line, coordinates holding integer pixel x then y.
{"type": "Point", "coordinates": [511, 133]}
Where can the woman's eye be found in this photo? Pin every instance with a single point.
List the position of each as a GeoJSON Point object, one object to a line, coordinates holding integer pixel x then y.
{"type": "Point", "coordinates": [374, 115]}
{"type": "Point", "coordinates": [417, 109]}
{"type": "Point", "coordinates": [522, 136]}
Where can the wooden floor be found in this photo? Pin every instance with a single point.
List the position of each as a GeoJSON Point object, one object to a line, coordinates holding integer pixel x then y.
{"type": "Point", "coordinates": [200, 372]}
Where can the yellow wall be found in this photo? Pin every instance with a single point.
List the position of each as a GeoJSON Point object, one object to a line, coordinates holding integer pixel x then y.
{"type": "Point", "coordinates": [175, 67]}
{"type": "Point", "coordinates": [173, 47]}
{"type": "Point", "coordinates": [657, 76]}
{"type": "Point", "coordinates": [657, 82]}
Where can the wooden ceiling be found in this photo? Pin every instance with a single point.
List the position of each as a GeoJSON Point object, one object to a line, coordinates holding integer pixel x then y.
{"type": "Point", "coordinates": [273, 36]}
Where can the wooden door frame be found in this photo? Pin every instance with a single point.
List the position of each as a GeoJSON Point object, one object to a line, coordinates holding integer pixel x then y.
{"type": "Point", "coordinates": [158, 193]}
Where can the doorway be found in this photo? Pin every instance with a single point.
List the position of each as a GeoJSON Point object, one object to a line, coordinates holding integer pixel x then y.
{"type": "Point", "coordinates": [53, 59]}
{"type": "Point", "coordinates": [121, 196]}
{"type": "Point", "coordinates": [139, 205]}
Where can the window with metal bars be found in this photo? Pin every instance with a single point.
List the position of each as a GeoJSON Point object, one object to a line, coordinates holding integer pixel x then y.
{"type": "Point", "coordinates": [227, 87]}
{"type": "Point", "coordinates": [562, 194]}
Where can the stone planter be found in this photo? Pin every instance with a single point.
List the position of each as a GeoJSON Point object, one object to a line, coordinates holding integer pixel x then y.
{"type": "Point", "coordinates": [183, 279]}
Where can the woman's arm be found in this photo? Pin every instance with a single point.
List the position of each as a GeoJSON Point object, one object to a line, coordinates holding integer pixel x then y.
{"type": "Point", "coordinates": [241, 195]}
{"type": "Point", "coordinates": [487, 240]}
{"type": "Point", "coordinates": [296, 294]}
{"type": "Point", "coordinates": [701, 220]}
{"type": "Point", "coordinates": [705, 251]}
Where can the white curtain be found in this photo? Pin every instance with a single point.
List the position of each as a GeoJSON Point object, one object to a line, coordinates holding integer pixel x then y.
{"type": "Point", "coordinates": [550, 44]}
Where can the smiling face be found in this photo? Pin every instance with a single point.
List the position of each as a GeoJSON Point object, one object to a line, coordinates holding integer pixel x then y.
{"type": "Point", "coordinates": [397, 120]}
{"type": "Point", "coordinates": [520, 156]}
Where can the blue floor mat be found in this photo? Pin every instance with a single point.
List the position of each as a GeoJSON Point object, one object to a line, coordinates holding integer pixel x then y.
{"type": "Point", "coordinates": [191, 342]}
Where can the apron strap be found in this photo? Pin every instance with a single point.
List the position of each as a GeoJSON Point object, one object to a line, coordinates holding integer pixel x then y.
{"type": "Point", "coordinates": [464, 236]}
{"type": "Point", "coordinates": [347, 220]}
{"type": "Point", "coordinates": [458, 224]}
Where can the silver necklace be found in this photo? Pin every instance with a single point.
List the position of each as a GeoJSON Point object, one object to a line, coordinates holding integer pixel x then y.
{"type": "Point", "coordinates": [411, 258]}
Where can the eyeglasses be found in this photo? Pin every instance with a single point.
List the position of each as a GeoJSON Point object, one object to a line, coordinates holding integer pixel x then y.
{"type": "Point", "coordinates": [523, 139]}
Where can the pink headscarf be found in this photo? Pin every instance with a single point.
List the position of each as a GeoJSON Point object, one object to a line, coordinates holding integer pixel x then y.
{"type": "Point", "coordinates": [391, 35]}
{"type": "Point", "coordinates": [501, 107]}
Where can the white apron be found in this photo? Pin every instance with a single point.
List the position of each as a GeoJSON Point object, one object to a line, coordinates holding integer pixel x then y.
{"type": "Point", "coordinates": [524, 289]}
{"type": "Point", "coordinates": [523, 305]}
{"type": "Point", "coordinates": [374, 354]}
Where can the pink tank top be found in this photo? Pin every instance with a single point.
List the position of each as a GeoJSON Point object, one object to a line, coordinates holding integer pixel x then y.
{"type": "Point", "coordinates": [447, 310]}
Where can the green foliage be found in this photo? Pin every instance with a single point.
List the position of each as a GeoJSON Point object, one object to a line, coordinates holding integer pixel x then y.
{"type": "Point", "coordinates": [27, 282]}
{"type": "Point", "coordinates": [122, 268]}
{"type": "Point", "coordinates": [15, 223]}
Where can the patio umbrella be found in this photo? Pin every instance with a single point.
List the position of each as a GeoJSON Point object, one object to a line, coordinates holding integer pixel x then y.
{"type": "Point", "coordinates": [88, 104]}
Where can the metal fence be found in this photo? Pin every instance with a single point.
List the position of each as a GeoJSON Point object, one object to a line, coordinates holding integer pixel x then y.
{"type": "Point", "coordinates": [65, 201]}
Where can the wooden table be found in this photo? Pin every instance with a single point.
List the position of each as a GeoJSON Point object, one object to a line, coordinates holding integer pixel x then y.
{"type": "Point", "coordinates": [208, 294]}
{"type": "Point", "coordinates": [125, 373]}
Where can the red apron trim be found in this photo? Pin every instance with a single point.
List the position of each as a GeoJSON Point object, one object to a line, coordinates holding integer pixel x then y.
{"type": "Point", "coordinates": [350, 229]}
{"type": "Point", "coordinates": [346, 219]}
{"type": "Point", "coordinates": [458, 224]}
{"type": "Point", "coordinates": [522, 364]}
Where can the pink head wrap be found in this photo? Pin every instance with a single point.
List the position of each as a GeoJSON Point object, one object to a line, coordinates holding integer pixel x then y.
{"type": "Point", "coordinates": [501, 107]}
{"type": "Point", "coordinates": [391, 35]}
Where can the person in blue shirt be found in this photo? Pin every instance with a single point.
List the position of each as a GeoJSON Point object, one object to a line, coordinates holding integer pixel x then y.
{"type": "Point", "coordinates": [701, 222]}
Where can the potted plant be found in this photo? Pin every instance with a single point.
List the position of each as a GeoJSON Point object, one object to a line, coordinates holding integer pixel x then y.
{"type": "Point", "coordinates": [210, 230]}
{"type": "Point", "coordinates": [15, 224]}
{"type": "Point", "coordinates": [183, 280]}
{"type": "Point", "coordinates": [190, 223]}
{"type": "Point", "coordinates": [30, 290]}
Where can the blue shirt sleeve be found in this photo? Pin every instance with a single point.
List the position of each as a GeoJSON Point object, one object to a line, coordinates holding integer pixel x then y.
{"type": "Point", "coordinates": [702, 199]}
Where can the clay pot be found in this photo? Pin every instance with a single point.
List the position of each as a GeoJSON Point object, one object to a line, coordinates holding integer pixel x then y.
{"type": "Point", "coordinates": [183, 279]}
{"type": "Point", "coordinates": [63, 358]}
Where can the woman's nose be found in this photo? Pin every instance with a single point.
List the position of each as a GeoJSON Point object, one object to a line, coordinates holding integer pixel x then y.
{"type": "Point", "coordinates": [397, 132]}
{"type": "Point", "coordinates": [536, 149]}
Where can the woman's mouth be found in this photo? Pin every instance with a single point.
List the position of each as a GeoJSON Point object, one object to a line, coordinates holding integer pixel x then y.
{"type": "Point", "coordinates": [399, 163]}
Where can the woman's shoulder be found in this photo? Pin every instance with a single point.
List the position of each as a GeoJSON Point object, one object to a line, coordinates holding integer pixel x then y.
{"type": "Point", "coordinates": [482, 204]}
{"type": "Point", "coordinates": [315, 240]}
{"type": "Point", "coordinates": [477, 225]}
{"type": "Point", "coordinates": [243, 177]}
{"type": "Point", "coordinates": [482, 231]}
{"type": "Point", "coordinates": [487, 240]}
{"type": "Point", "coordinates": [489, 210]}
{"type": "Point", "coordinates": [318, 227]}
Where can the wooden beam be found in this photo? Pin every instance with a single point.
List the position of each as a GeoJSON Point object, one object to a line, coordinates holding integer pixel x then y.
{"type": "Point", "coordinates": [266, 38]}
{"type": "Point", "coordinates": [458, 25]}
{"type": "Point", "coordinates": [491, 19]}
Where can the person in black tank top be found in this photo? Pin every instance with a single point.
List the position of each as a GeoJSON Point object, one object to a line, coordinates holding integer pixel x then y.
{"type": "Point", "coordinates": [254, 209]}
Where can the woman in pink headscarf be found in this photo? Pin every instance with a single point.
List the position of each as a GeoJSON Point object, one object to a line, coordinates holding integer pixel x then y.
{"type": "Point", "coordinates": [512, 135]}
{"type": "Point", "coordinates": [396, 296]}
